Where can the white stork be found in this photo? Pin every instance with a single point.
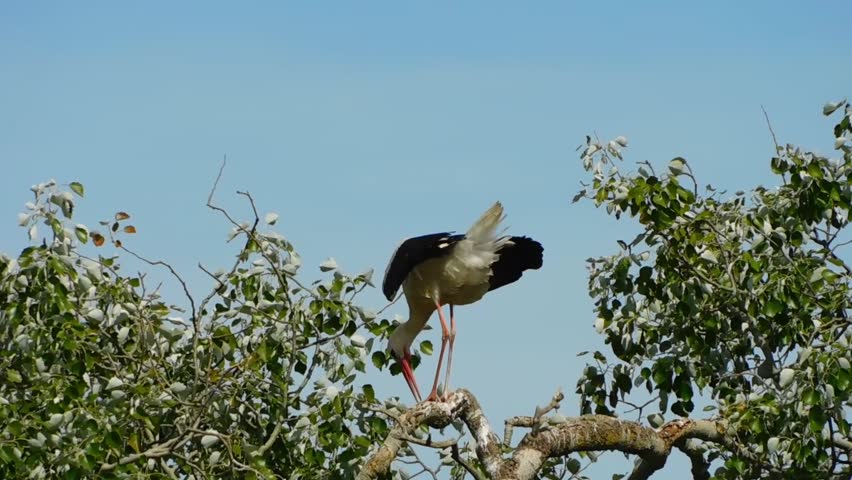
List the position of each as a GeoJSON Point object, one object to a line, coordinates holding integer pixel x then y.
{"type": "Point", "coordinates": [446, 269]}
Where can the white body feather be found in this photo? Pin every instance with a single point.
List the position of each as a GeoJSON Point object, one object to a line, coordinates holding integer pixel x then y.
{"type": "Point", "coordinates": [458, 278]}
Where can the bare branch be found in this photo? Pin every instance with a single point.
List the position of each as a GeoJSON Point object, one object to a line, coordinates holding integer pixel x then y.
{"type": "Point", "coordinates": [771, 131]}
{"type": "Point", "coordinates": [428, 442]}
{"type": "Point", "coordinates": [216, 182]}
{"type": "Point", "coordinates": [530, 422]}
{"type": "Point", "coordinates": [174, 274]}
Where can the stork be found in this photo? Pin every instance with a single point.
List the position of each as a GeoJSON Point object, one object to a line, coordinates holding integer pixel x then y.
{"type": "Point", "coordinates": [445, 269]}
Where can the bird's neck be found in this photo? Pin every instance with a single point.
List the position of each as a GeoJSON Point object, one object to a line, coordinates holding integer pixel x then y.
{"type": "Point", "coordinates": [404, 335]}
{"type": "Point", "coordinates": [418, 315]}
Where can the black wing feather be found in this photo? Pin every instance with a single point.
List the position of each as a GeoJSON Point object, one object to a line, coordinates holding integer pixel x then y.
{"type": "Point", "coordinates": [524, 254]}
{"type": "Point", "coordinates": [411, 253]}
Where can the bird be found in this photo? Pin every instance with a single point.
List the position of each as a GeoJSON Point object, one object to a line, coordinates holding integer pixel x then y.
{"type": "Point", "coordinates": [451, 269]}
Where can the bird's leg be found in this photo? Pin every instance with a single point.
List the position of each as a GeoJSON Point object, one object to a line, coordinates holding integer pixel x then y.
{"type": "Point", "coordinates": [450, 353]}
{"type": "Point", "coordinates": [408, 373]}
{"type": "Point", "coordinates": [445, 335]}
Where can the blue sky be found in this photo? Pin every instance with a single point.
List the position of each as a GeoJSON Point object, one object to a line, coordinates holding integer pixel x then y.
{"type": "Point", "coordinates": [361, 124]}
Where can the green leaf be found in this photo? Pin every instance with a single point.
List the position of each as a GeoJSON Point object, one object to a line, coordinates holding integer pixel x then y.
{"type": "Point", "coordinates": [830, 107]}
{"type": "Point", "coordinates": [573, 465]}
{"type": "Point", "coordinates": [841, 380]}
{"type": "Point", "coordinates": [82, 233]}
{"type": "Point", "coordinates": [736, 463]}
{"type": "Point", "coordinates": [13, 376]}
{"type": "Point", "coordinates": [426, 347]}
{"type": "Point", "coordinates": [379, 359]}
{"type": "Point", "coordinates": [816, 276]}
{"type": "Point", "coordinates": [77, 188]}
{"type": "Point", "coordinates": [756, 425]}
{"type": "Point", "coordinates": [815, 170]}
{"type": "Point", "coordinates": [816, 419]}
{"type": "Point", "coordinates": [676, 165]}
{"type": "Point", "coordinates": [113, 440]}
{"type": "Point", "coordinates": [133, 441]}
{"type": "Point", "coordinates": [7, 455]}
{"type": "Point", "coordinates": [810, 397]}
{"type": "Point", "coordinates": [263, 351]}
{"type": "Point", "coordinates": [772, 307]}
{"type": "Point", "coordinates": [710, 256]}
{"type": "Point", "coordinates": [369, 393]}
{"type": "Point", "coordinates": [56, 225]}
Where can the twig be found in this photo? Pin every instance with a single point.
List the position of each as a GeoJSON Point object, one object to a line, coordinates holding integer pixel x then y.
{"type": "Point", "coordinates": [169, 470]}
{"type": "Point", "coordinates": [771, 131]}
{"type": "Point", "coordinates": [424, 443]}
{"type": "Point", "coordinates": [269, 441]}
{"type": "Point", "coordinates": [530, 422]}
{"type": "Point", "coordinates": [473, 471]}
{"type": "Point", "coordinates": [382, 410]}
{"type": "Point", "coordinates": [389, 304]}
{"type": "Point", "coordinates": [174, 274]}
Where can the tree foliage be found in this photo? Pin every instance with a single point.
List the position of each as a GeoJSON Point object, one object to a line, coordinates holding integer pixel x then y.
{"type": "Point", "coordinates": [741, 299]}
{"type": "Point", "coordinates": [255, 379]}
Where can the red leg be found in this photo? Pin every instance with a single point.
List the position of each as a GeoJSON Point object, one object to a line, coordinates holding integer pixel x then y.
{"type": "Point", "coordinates": [408, 373]}
{"type": "Point", "coordinates": [445, 335]}
{"type": "Point", "coordinates": [450, 353]}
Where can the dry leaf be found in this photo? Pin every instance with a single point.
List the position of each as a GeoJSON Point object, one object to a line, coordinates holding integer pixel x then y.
{"type": "Point", "coordinates": [130, 229]}
{"type": "Point", "coordinates": [122, 216]}
{"type": "Point", "coordinates": [97, 238]}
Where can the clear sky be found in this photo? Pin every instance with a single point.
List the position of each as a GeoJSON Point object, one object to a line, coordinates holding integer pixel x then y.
{"type": "Point", "coordinates": [363, 123]}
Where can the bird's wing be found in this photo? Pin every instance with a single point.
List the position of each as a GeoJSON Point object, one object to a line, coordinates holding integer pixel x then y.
{"type": "Point", "coordinates": [522, 254]}
{"type": "Point", "coordinates": [411, 253]}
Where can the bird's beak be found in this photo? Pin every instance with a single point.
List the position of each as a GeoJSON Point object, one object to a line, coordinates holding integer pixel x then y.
{"type": "Point", "coordinates": [408, 373]}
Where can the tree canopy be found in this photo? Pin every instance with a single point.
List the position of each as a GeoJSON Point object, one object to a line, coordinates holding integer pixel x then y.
{"type": "Point", "coordinates": [740, 298]}
{"type": "Point", "coordinates": [725, 318]}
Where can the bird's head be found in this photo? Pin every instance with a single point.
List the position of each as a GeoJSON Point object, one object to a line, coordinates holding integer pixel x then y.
{"type": "Point", "coordinates": [399, 344]}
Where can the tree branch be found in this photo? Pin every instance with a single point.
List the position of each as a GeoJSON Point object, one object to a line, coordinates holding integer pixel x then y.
{"type": "Point", "coordinates": [585, 433]}
{"type": "Point", "coordinates": [530, 422]}
{"type": "Point", "coordinates": [700, 465]}
{"type": "Point", "coordinates": [461, 404]}
{"type": "Point", "coordinates": [465, 464]}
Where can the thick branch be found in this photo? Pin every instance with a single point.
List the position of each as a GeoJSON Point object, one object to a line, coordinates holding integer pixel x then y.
{"type": "Point", "coordinates": [586, 433]}
{"type": "Point", "coordinates": [461, 404]}
{"type": "Point", "coordinates": [598, 432]}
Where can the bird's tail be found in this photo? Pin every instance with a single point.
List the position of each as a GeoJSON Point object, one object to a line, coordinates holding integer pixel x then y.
{"type": "Point", "coordinates": [484, 230]}
{"type": "Point", "coordinates": [484, 241]}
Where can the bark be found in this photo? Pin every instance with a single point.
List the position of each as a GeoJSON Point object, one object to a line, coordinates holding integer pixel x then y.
{"type": "Point", "coordinates": [585, 433]}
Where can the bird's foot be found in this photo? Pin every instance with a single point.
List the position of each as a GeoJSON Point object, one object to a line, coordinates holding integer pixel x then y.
{"type": "Point", "coordinates": [443, 396]}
